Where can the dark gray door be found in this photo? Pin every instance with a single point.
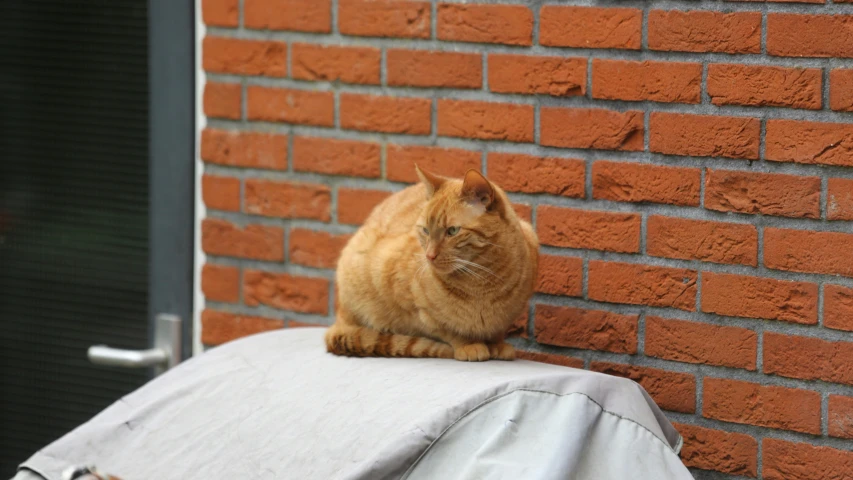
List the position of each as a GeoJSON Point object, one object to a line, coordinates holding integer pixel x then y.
{"type": "Point", "coordinates": [86, 256]}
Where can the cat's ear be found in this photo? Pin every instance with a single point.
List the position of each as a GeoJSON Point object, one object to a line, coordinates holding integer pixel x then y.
{"type": "Point", "coordinates": [477, 189]}
{"type": "Point", "coordinates": [430, 181]}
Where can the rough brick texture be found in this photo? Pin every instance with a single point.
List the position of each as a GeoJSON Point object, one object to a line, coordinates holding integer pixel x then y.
{"type": "Point", "coordinates": [766, 406]}
{"type": "Point", "coordinates": [695, 342]}
{"type": "Point", "coordinates": [330, 63]}
{"type": "Point", "coordinates": [701, 240]}
{"type": "Point", "coordinates": [841, 416]}
{"type": "Point", "coordinates": [785, 460]}
{"type": "Point", "coordinates": [563, 227]}
{"type": "Point", "coordinates": [591, 128]}
{"type": "Point", "coordinates": [758, 86]}
{"type": "Point", "coordinates": [838, 307]}
{"type": "Point", "coordinates": [755, 297]}
{"type": "Point", "coordinates": [704, 135]}
{"type": "Point", "coordinates": [485, 120]}
{"type": "Point", "coordinates": [555, 76]}
{"type": "Point", "coordinates": [671, 390]}
{"type": "Point", "coordinates": [808, 358]}
{"type": "Point", "coordinates": [710, 449]}
{"type": "Point", "coordinates": [841, 89]}
{"type": "Point", "coordinates": [222, 100]}
{"type": "Point", "coordinates": [655, 81]}
{"type": "Point", "coordinates": [839, 199]}
{"type": "Point", "coordinates": [630, 182]}
{"type": "Point", "coordinates": [765, 193]}
{"type": "Point", "coordinates": [588, 329]}
{"type": "Point", "coordinates": [506, 24]}
{"type": "Point", "coordinates": [687, 166]}
{"type": "Point", "coordinates": [698, 31]}
{"type": "Point", "coordinates": [590, 27]}
{"type": "Point", "coordinates": [642, 285]}
{"type": "Point", "coordinates": [384, 18]}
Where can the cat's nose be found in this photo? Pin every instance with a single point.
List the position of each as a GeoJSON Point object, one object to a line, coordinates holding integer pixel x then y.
{"type": "Point", "coordinates": [431, 255]}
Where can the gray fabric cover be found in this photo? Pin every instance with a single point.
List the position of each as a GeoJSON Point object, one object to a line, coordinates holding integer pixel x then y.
{"type": "Point", "coordinates": [276, 406]}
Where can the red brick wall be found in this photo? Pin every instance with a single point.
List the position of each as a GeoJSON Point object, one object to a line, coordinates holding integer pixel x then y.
{"type": "Point", "coordinates": [688, 167]}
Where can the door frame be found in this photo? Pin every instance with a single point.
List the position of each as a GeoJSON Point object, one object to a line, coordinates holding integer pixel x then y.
{"type": "Point", "coordinates": [171, 120]}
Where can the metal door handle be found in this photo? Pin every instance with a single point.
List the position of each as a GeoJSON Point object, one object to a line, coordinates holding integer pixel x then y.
{"type": "Point", "coordinates": [165, 354]}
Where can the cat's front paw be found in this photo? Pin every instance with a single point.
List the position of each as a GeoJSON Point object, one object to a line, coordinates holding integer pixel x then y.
{"type": "Point", "coordinates": [472, 352]}
{"type": "Point", "coordinates": [501, 351]}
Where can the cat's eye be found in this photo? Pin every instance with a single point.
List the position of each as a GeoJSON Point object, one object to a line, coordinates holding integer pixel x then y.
{"type": "Point", "coordinates": [452, 231]}
{"type": "Point", "coordinates": [425, 230]}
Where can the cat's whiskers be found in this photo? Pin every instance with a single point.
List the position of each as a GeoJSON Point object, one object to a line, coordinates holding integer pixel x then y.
{"type": "Point", "coordinates": [466, 270]}
{"type": "Point", "coordinates": [477, 265]}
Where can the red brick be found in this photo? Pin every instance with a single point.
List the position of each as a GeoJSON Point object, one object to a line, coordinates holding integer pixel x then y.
{"type": "Point", "coordinates": [590, 27]}
{"type": "Point", "coordinates": [753, 297]}
{"type": "Point", "coordinates": [631, 182]}
{"type": "Point", "coordinates": [797, 35]}
{"type": "Point", "coordinates": [840, 416]}
{"type": "Point", "coordinates": [335, 63]}
{"type": "Point", "coordinates": [222, 100]}
{"type": "Point", "coordinates": [287, 292]}
{"type": "Point", "coordinates": [807, 251]}
{"type": "Point", "coordinates": [587, 329]}
{"type": "Point", "coordinates": [761, 86]}
{"type": "Point", "coordinates": [315, 249]}
{"type": "Point", "coordinates": [555, 76]}
{"type": "Point", "coordinates": [449, 162]}
{"type": "Point", "coordinates": [296, 15]}
{"type": "Point", "coordinates": [839, 199]}
{"type": "Point", "coordinates": [257, 242]}
{"type": "Point", "coordinates": [506, 24]}
{"type": "Point", "coordinates": [727, 452]}
{"type": "Point", "coordinates": [591, 128]}
{"type": "Point", "coordinates": [782, 460]}
{"type": "Point", "coordinates": [384, 18]}
{"type": "Point", "coordinates": [838, 307]}
{"type": "Point", "coordinates": [524, 211]}
{"type": "Point", "coordinates": [765, 193]}
{"type": "Point", "coordinates": [485, 120]}
{"type": "Point", "coordinates": [841, 89]}
{"type": "Point", "coordinates": [337, 157]}
{"type": "Point", "coordinates": [766, 406]}
{"type": "Point", "coordinates": [244, 149]}
{"type": "Point", "coordinates": [421, 68]}
{"type": "Point", "coordinates": [549, 358]}
{"type": "Point", "coordinates": [221, 327]}
{"type": "Point", "coordinates": [288, 200]}
{"type": "Point", "coordinates": [560, 275]}
{"type": "Point", "coordinates": [610, 231]}
{"type": "Point", "coordinates": [220, 13]}
{"type": "Point", "coordinates": [220, 283]}
{"type": "Point", "coordinates": [290, 106]}
{"type": "Point", "coordinates": [386, 114]}
{"type": "Point", "coordinates": [296, 324]}
{"type": "Point", "coordinates": [704, 31]}
{"type": "Point", "coordinates": [704, 135]}
{"type": "Point", "coordinates": [655, 81]}
{"type": "Point", "coordinates": [354, 205]}
{"type": "Point", "coordinates": [717, 242]}
{"type": "Point", "coordinates": [221, 193]}
{"type": "Point", "coordinates": [809, 142]}
{"type": "Point", "coordinates": [244, 57]}
{"type": "Point", "coordinates": [530, 174]}
{"type": "Point", "coordinates": [670, 390]}
{"type": "Point", "coordinates": [641, 285]}
{"type": "Point", "coordinates": [696, 342]}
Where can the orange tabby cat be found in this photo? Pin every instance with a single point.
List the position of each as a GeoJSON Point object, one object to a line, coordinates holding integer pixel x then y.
{"type": "Point", "coordinates": [440, 269]}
